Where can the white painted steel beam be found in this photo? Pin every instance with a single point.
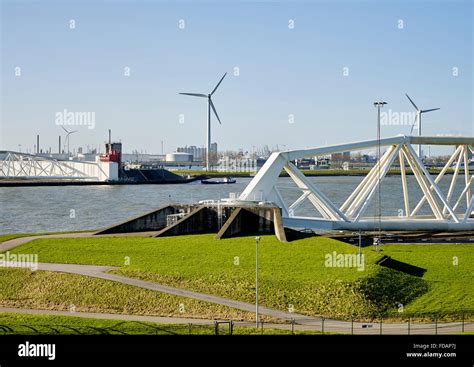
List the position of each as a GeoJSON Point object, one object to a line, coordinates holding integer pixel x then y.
{"type": "Point", "coordinates": [29, 166]}
{"type": "Point", "coordinates": [422, 183]}
{"type": "Point", "coordinates": [466, 177]}
{"type": "Point", "coordinates": [393, 154]}
{"type": "Point", "coordinates": [369, 188]}
{"type": "Point", "coordinates": [439, 177]}
{"type": "Point", "coordinates": [454, 178]}
{"type": "Point", "coordinates": [433, 184]}
{"type": "Point", "coordinates": [316, 195]}
{"type": "Point", "coordinates": [466, 189]}
{"type": "Point", "coordinates": [350, 215]}
{"type": "Point", "coordinates": [362, 187]}
{"type": "Point", "coordinates": [406, 197]}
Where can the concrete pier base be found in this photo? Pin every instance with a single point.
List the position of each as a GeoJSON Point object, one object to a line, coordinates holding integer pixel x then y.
{"type": "Point", "coordinates": [245, 220]}
{"type": "Point", "coordinates": [155, 220]}
{"type": "Point", "coordinates": [227, 220]}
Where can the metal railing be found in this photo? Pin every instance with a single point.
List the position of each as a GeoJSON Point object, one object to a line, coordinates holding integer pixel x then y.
{"type": "Point", "coordinates": [405, 323]}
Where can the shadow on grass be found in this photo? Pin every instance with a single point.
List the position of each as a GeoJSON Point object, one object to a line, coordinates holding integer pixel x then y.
{"type": "Point", "coordinates": [293, 235]}
{"type": "Point", "coordinates": [390, 263]}
{"type": "Point", "coordinates": [77, 331]}
{"type": "Point", "coordinates": [5, 329]}
{"type": "Point", "coordinates": [388, 288]}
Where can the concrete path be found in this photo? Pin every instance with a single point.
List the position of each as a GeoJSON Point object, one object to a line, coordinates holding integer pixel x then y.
{"type": "Point", "coordinates": [15, 242]}
{"type": "Point", "coordinates": [329, 327]}
{"type": "Point", "coordinates": [101, 272]}
{"type": "Point", "coordinates": [303, 321]}
{"type": "Point", "coordinates": [108, 316]}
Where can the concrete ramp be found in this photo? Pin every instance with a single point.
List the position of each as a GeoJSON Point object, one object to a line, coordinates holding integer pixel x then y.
{"type": "Point", "coordinates": [155, 220]}
{"type": "Point", "coordinates": [216, 217]}
{"type": "Point", "coordinates": [200, 220]}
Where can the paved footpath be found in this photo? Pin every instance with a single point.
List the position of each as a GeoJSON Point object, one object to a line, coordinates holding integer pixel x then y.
{"type": "Point", "coordinates": [15, 242]}
{"type": "Point", "coordinates": [304, 322]}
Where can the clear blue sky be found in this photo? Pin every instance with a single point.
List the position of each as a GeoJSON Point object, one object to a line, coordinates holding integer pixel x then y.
{"type": "Point", "coordinates": [282, 71]}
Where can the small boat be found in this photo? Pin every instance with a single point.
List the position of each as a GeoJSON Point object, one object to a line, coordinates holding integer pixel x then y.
{"type": "Point", "coordinates": [225, 180]}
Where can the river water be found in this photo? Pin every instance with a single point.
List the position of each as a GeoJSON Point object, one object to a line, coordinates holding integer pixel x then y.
{"type": "Point", "coordinates": [64, 208]}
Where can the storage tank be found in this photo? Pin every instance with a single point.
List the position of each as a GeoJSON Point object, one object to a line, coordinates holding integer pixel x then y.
{"type": "Point", "coordinates": [178, 157]}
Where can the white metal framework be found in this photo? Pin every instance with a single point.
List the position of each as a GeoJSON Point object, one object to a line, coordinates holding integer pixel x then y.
{"type": "Point", "coordinates": [28, 166]}
{"type": "Point", "coordinates": [446, 214]}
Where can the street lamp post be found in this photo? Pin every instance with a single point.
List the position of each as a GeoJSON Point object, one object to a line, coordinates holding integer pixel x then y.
{"type": "Point", "coordinates": [256, 280]}
{"type": "Point", "coordinates": [379, 105]}
{"type": "Point", "coordinates": [360, 242]}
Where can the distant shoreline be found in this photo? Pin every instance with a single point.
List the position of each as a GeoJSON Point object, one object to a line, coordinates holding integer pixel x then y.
{"type": "Point", "coordinates": [313, 173]}
{"type": "Point", "coordinates": [197, 175]}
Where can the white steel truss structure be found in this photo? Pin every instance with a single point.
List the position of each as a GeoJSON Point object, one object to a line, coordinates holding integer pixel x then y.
{"type": "Point", "coordinates": [15, 165]}
{"type": "Point", "coordinates": [445, 208]}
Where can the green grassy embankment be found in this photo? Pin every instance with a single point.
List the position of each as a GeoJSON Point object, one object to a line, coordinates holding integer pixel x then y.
{"type": "Point", "coordinates": [291, 274]}
{"type": "Point", "coordinates": [23, 288]}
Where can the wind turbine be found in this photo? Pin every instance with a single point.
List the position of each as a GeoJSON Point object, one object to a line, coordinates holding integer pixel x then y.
{"type": "Point", "coordinates": [418, 116]}
{"type": "Point", "coordinates": [66, 140]}
{"type": "Point", "coordinates": [209, 106]}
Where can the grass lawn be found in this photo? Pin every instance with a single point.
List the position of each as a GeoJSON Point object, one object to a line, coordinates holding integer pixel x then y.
{"type": "Point", "coordinates": [451, 286]}
{"type": "Point", "coordinates": [291, 274]}
{"type": "Point", "coordinates": [24, 324]}
{"type": "Point", "coordinates": [59, 291]}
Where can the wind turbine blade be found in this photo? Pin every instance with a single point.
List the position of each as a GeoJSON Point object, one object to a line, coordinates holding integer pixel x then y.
{"type": "Point", "coordinates": [433, 109]}
{"type": "Point", "coordinates": [215, 112]}
{"type": "Point", "coordinates": [413, 103]}
{"type": "Point", "coordinates": [194, 94]}
{"type": "Point", "coordinates": [64, 129]}
{"type": "Point", "coordinates": [217, 86]}
{"type": "Point", "coordinates": [75, 131]}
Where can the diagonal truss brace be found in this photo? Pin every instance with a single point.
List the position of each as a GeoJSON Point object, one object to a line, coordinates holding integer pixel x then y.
{"type": "Point", "coordinates": [457, 152]}
{"type": "Point", "coordinates": [317, 198]}
{"type": "Point", "coordinates": [418, 166]}
{"type": "Point", "coordinates": [391, 154]}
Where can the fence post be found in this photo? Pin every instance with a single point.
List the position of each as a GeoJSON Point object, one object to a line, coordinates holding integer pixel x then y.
{"type": "Point", "coordinates": [293, 326]}
{"type": "Point", "coordinates": [352, 325]}
{"type": "Point", "coordinates": [463, 321]}
{"type": "Point", "coordinates": [216, 328]}
{"type": "Point", "coordinates": [231, 327]}
{"type": "Point", "coordinates": [409, 319]}
{"type": "Point", "coordinates": [190, 328]}
{"type": "Point", "coordinates": [262, 326]}
{"type": "Point", "coordinates": [322, 325]}
{"type": "Point", "coordinates": [381, 321]}
{"type": "Point", "coordinates": [436, 325]}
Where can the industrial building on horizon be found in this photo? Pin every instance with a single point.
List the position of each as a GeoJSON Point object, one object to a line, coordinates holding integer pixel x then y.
{"type": "Point", "coordinates": [198, 153]}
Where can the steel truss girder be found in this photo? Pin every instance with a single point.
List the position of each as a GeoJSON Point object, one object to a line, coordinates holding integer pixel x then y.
{"type": "Point", "coordinates": [22, 165]}
{"type": "Point", "coordinates": [350, 214]}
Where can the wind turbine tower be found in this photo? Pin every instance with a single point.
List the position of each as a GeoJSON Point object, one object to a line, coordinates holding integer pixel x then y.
{"type": "Point", "coordinates": [418, 116]}
{"type": "Point", "coordinates": [66, 142]}
{"type": "Point", "coordinates": [209, 106]}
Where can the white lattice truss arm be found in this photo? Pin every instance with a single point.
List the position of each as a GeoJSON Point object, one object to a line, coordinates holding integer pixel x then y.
{"type": "Point", "coordinates": [21, 165]}
{"type": "Point", "coordinates": [351, 213]}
